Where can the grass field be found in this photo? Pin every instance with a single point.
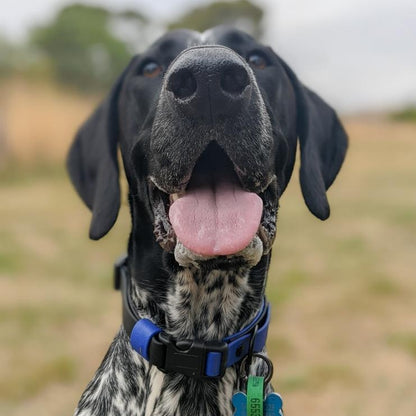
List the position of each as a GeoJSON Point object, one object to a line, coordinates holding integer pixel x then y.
{"type": "Point", "coordinates": [38, 119]}
{"type": "Point", "coordinates": [343, 335]}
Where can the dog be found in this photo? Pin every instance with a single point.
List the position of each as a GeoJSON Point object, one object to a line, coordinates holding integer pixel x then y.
{"type": "Point", "coordinates": [207, 125]}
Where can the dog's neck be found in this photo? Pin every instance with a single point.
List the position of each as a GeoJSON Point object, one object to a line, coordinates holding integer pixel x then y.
{"type": "Point", "coordinates": [208, 303]}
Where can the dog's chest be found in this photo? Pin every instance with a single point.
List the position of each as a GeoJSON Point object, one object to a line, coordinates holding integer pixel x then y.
{"type": "Point", "coordinates": [207, 306]}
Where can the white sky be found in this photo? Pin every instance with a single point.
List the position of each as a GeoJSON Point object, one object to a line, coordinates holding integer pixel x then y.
{"type": "Point", "coordinates": [357, 54]}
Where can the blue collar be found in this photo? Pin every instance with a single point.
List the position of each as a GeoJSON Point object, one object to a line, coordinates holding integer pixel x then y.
{"type": "Point", "coordinates": [193, 358]}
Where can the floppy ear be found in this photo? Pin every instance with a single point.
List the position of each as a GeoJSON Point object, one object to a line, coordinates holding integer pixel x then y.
{"type": "Point", "coordinates": [323, 144]}
{"type": "Point", "coordinates": [92, 163]}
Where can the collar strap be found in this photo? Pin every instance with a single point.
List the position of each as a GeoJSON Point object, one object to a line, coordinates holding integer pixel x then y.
{"type": "Point", "coordinates": [193, 358]}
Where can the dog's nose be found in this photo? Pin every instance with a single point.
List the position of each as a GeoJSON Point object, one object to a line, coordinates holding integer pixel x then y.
{"type": "Point", "coordinates": [231, 79]}
{"type": "Point", "coordinates": [209, 82]}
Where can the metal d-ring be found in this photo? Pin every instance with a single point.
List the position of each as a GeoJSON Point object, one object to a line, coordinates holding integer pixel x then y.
{"type": "Point", "coordinates": [249, 357]}
{"type": "Point", "coordinates": [244, 372]}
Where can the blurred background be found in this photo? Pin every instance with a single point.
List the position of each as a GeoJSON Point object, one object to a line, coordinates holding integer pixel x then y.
{"type": "Point", "coordinates": [343, 335]}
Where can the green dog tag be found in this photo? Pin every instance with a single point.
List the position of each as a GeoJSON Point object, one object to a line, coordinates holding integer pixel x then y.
{"type": "Point", "coordinates": [255, 396]}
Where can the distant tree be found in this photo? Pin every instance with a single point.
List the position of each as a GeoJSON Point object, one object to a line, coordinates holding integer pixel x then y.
{"type": "Point", "coordinates": [20, 59]}
{"type": "Point", "coordinates": [407, 113]}
{"type": "Point", "coordinates": [133, 28]}
{"type": "Point", "coordinates": [13, 57]}
{"type": "Point", "coordinates": [240, 13]}
{"type": "Point", "coordinates": [86, 44]}
{"type": "Point", "coordinates": [6, 57]}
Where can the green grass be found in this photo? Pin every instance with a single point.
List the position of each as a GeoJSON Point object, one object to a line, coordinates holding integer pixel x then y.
{"type": "Point", "coordinates": [28, 318]}
{"type": "Point", "coordinates": [318, 377]}
{"type": "Point", "coordinates": [9, 260]}
{"type": "Point", "coordinates": [61, 369]}
{"type": "Point", "coordinates": [16, 173]}
{"type": "Point", "coordinates": [280, 345]}
{"type": "Point", "coordinates": [404, 341]}
{"type": "Point", "coordinates": [286, 286]}
{"type": "Point", "coordinates": [383, 286]}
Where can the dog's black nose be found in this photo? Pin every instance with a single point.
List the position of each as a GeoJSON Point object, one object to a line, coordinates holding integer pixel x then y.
{"type": "Point", "coordinates": [182, 83]}
{"type": "Point", "coordinates": [209, 82]}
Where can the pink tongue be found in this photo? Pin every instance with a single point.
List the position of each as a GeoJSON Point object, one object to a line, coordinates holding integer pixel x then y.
{"type": "Point", "coordinates": [216, 220]}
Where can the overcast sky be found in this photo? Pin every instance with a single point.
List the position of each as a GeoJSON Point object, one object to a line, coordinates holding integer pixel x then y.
{"type": "Point", "coordinates": [357, 54]}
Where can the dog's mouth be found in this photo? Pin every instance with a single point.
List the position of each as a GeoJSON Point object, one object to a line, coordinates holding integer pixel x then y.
{"type": "Point", "coordinates": [213, 214]}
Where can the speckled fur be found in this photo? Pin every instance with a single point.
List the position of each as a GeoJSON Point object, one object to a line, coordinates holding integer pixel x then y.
{"type": "Point", "coordinates": [200, 303]}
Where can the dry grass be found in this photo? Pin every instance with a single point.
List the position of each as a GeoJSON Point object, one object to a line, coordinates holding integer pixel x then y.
{"type": "Point", "coordinates": [40, 119]}
{"type": "Point", "coordinates": [343, 331]}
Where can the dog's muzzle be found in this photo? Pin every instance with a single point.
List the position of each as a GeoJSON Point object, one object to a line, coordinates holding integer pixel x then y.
{"type": "Point", "coordinates": [212, 182]}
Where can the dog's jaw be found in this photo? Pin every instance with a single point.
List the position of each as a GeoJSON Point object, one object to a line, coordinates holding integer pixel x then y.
{"type": "Point", "coordinates": [250, 255]}
{"type": "Point", "coordinates": [259, 245]}
{"type": "Point", "coordinates": [214, 170]}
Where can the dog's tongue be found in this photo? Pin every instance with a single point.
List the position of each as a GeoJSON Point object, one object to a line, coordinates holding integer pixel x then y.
{"type": "Point", "coordinates": [216, 216]}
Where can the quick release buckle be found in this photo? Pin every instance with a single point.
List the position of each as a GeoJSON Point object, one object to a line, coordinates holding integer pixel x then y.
{"type": "Point", "coordinates": [191, 358]}
{"type": "Point", "coordinates": [195, 358]}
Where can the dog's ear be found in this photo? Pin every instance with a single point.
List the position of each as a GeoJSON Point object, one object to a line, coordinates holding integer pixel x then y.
{"type": "Point", "coordinates": [323, 145]}
{"type": "Point", "coordinates": [92, 163]}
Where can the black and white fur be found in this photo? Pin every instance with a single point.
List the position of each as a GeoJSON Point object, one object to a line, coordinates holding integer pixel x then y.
{"type": "Point", "coordinates": [168, 124]}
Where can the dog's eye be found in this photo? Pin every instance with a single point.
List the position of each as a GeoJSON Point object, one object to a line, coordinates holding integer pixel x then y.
{"type": "Point", "coordinates": [151, 69]}
{"type": "Point", "coordinates": [257, 60]}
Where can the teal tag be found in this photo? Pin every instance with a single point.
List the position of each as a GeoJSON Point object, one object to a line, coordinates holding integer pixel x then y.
{"type": "Point", "coordinates": [239, 402]}
{"type": "Point", "coordinates": [273, 405]}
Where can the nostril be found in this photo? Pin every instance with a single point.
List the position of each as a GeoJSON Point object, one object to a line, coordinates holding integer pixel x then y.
{"type": "Point", "coordinates": [182, 83]}
{"type": "Point", "coordinates": [234, 80]}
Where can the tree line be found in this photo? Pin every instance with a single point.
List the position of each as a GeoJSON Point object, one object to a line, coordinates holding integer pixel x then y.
{"type": "Point", "coordinates": [86, 47]}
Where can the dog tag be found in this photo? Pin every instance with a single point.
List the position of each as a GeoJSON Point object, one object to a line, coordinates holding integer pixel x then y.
{"type": "Point", "coordinates": [273, 405]}
{"type": "Point", "coordinates": [252, 403]}
{"type": "Point", "coordinates": [255, 396]}
{"type": "Point", "coordinates": [239, 402]}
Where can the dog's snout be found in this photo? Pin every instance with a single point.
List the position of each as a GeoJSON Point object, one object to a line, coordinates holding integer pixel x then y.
{"type": "Point", "coordinates": [209, 83]}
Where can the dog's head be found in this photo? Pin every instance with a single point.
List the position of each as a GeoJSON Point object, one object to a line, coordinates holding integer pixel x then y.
{"type": "Point", "coordinates": [207, 125]}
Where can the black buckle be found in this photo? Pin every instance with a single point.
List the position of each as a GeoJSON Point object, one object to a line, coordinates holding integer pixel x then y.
{"type": "Point", "coordinates": [185, 357]}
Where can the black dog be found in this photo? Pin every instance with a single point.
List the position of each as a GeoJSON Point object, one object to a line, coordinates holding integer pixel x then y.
{"type": "Point", "coordinates": [207, 125]}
